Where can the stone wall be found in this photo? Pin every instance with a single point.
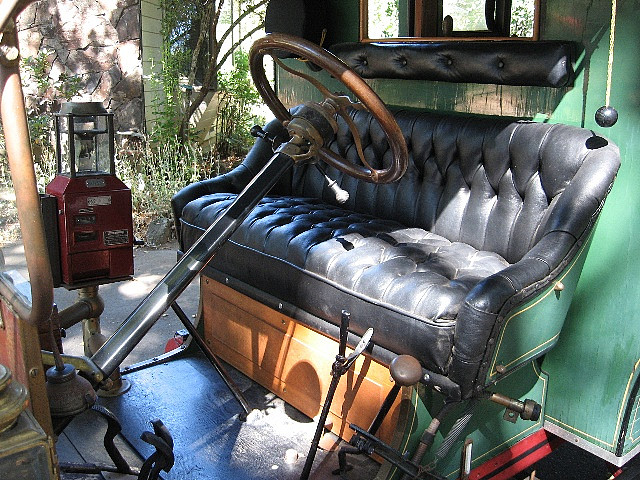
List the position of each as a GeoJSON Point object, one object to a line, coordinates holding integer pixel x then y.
{"type": "Point", "coordinates": [97, 40]}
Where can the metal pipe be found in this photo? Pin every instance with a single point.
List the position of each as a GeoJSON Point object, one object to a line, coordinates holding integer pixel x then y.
{"type": "Point", "coordinates": [88, 305]}
{"type": "Point", "coordinates": [429, 435]}
{"type": "Point", "coordinates": [18, 147]}
{"type": "Point", "coordinates": [128, 335]}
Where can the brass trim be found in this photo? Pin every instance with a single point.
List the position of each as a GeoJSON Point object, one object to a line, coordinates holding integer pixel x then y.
{"type": "Point", "coordinates": [80, 362]}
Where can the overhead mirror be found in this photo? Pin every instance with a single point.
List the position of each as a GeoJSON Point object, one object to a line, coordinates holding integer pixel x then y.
{"type": "Point", "coordinates": [406, 20]}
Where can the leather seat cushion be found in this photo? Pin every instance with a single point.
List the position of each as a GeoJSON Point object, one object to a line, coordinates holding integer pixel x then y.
{"type": "Point", "coordinates": [407, 283]}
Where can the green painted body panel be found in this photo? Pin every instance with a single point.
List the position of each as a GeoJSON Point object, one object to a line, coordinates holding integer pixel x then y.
{"type": "Point", "coordinates": [593, 367]}
{"type": "Point", "coordinates": [490, 432]}
{"type": "Point", "coordinates": [533, 328]}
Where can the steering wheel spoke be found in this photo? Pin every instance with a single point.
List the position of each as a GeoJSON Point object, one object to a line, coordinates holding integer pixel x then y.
{"type": "Point", "coordinates": [357, 139]}
{"type": "Point", "coordinates": [334, 104]}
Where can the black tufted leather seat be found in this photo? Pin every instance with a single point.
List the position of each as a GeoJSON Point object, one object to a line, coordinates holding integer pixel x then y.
{"type": "Point", "coordinates": [488, 214]}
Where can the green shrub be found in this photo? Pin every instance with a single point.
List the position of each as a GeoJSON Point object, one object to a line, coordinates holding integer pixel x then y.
{"type": "Point", "coordinates": [235, 117]}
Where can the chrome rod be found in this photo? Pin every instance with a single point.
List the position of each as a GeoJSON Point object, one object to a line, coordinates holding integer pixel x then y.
{"type": "Point", "coordinates": [109, 357]}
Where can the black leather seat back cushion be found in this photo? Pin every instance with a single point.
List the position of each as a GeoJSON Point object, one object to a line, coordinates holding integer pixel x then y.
{"type": "Point", "coordinates": [486, 182]}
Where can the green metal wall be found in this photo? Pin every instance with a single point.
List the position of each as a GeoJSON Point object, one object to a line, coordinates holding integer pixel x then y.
{"type": "Point", "coordinates": [592, 370]}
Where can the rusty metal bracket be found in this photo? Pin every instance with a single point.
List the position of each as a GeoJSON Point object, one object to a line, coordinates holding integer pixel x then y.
{"type": "Point", "coordinates": [163, 457]}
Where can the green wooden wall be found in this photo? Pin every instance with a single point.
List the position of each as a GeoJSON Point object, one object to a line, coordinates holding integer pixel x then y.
{"type": "Point", "coordinates": [151, 17]}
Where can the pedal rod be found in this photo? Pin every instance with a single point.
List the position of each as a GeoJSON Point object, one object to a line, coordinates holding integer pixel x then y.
{"type": "Point", "coordinates": [212, 357]}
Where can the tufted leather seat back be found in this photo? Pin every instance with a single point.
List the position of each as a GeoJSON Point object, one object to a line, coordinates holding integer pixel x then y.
{"type": "Point", "coordinates": [489, 213]}
{"type": "Point", "coordinates": [489, 183]}
{"type": "Point", "coordinates": [508, 62]}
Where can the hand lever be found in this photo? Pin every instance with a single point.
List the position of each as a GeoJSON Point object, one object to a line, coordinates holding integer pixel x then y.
{"type": "Point", "coordinates": [341, 195]}
{"type": "Point", "coordinates": [258, 132]}
{"type": "Point", "coordinates": [339, 368]}
{"type": "Point", "coordinates": [362, 345]}
{"type": "Point", "coordinates": [405, 370]}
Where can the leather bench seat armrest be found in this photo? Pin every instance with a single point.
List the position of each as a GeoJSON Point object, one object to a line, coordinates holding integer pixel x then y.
{"type": "Point", "coordinates": [492, 298]}
{"type": "Point", "coordinates": [230, 182]}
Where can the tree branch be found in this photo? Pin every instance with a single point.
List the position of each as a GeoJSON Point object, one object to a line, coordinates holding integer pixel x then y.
{"type": "Point", "coordinates": [193, 106]}
{"type": "Point", "coordinates": [204, 22]}
{"type": "Point", "coordinates": [236, 45]}
{"type": "Point", "coordinates": [241, 17]}
{"type": "Point", "coordinates": [216, 19]}
{"type": "Point", "coordinates": [215, 64]}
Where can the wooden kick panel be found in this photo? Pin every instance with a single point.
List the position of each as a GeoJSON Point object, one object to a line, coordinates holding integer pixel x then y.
{"type": "Point", "coordinates": [292, 360]}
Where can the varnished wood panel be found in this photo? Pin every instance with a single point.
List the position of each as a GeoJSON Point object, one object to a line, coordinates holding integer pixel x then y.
{"type": "Point", "coordinates": [291, 360]}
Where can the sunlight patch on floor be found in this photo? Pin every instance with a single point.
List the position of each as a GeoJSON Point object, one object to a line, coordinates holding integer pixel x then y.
{"type": "Point", "coordinates": [139, 286]}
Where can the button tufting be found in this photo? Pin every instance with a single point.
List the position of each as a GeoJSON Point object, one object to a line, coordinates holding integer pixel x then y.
{"type": "Point", "coordinates": [449, 61]}
{"type": "Point", "coordinates": [403, 61]}
{"type": "Point", "coordinates": [500, 64]}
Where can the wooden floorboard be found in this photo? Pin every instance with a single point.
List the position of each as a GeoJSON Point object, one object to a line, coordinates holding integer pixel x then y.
{"type": "Point", "coordinates": [82, 442]}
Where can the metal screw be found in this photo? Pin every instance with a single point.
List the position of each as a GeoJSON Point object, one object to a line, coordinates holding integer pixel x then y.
{"type": "Point", "coordinates": [33, 373]}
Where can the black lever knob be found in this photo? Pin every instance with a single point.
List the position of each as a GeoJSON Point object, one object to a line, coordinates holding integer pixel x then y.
{"type": "Point", "coordinates": [257, 131]}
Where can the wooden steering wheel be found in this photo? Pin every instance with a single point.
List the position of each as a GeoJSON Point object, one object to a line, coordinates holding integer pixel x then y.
{"type": "Point", "coordinates": [274, 45]}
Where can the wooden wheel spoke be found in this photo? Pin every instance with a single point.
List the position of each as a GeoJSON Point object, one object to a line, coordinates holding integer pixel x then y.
{"type": "Point", "coordinates": [316, 83]}
{"type": "Point", "coordinates": [357, 140]}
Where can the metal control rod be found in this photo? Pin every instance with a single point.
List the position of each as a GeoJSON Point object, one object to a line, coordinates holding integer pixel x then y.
{"type": "Point", "coordinates": [109, 357]}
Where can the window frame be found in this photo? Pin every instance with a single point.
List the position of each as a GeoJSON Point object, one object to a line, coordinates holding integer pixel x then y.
{"type": "Point", "coordinates": [425, 8]}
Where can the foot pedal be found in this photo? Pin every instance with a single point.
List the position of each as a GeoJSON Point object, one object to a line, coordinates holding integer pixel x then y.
{"type": "Point", "coordinates": [163, 457]}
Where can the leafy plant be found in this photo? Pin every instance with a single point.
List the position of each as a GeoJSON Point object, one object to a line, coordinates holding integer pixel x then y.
{"type": "Point", "coordinates": [204, 30]}
{"type": "Point", "coordinates": [167, 105]}
{"type": "Point", "coordinates": [235, 117]}
{"type": "Point", "coordinates": [155, 173]}
{"type": "Point", "coordinates": [43, 101]}
{"type": "Point", "coordinates": [522, 17]}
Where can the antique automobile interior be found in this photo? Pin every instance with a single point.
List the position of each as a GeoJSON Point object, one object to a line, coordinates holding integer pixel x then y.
{"type": "Point", "coordinates": [491, 216]}
{"type": "Point", "coordinates": [436, 253]}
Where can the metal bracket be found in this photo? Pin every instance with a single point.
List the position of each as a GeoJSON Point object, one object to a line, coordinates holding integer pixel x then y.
{"type": "Point", "coordinates": [365, 442]}
{"type": "Point", "coordinates": [510, 415]}
{"type": "Point", "coordinates": [163, 457]}
{"type": "Point", "coordinates": [80, 362]}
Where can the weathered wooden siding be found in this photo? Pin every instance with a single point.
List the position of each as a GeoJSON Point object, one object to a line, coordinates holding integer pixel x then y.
{"type": "Point", "coordinates": [151, 14]}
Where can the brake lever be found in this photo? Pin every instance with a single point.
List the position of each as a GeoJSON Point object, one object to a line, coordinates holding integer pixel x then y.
{"type": "Point", "coordinates": [361, 347]}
